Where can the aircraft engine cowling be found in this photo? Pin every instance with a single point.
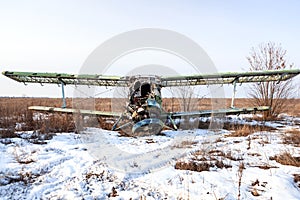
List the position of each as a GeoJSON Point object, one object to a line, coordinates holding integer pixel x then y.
{"type": "Point", "coordinates": [154, 109]}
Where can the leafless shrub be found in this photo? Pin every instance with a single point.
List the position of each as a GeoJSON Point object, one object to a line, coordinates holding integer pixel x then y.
{"type": "Point", "coordinates": [274, 94]}
{"type": "Point", "coordinates": [286, 159]}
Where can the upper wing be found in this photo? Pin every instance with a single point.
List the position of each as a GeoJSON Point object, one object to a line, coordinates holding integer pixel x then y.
{"type": "Point", "coordinates": [105, 80]}
{"type": "Point", "coordinates": [229, 78]}
{"type": "Point", "coordinates": [229, 111]}
{"type": "Point", "coordinates": [72, 79]}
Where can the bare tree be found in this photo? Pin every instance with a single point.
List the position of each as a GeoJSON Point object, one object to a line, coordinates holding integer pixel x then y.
{"type": "Point", "coordinates": [269, 56]}
{"type": "Point", "coordinates": [186, 96]}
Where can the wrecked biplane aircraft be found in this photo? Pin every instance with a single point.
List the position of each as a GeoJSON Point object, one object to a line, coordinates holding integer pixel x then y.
{"type": "Point", "coordinates": [144, 113]}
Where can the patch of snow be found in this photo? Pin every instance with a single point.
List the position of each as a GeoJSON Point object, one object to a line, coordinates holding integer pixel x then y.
{"type": "Point", "coordinates": [65, 167]}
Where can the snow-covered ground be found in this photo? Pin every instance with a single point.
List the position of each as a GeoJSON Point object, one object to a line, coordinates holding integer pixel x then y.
{"type": "Point", "coordinates": [102, 165]}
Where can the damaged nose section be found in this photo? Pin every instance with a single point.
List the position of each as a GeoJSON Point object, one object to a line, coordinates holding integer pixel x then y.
{"type": "Point", "coordinates": [149, 126]}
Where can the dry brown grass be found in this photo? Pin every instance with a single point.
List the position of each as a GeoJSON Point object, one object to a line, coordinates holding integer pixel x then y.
{"type": "Point", "coordinates": [229, 156]}
{"type": "Point", "coordinates": [57, 123]}
{"type": "Point", "coordinates": [264, 166]}
{"type": "Point", "coordinates": [8, 133]}
{"type": "Point", "coordinates": [296, 178]}
{"type": "Point", "coordinates": [22, 176]}
{"type": "Point", "coordinates": [244, 130]}
{"type": "Point", "coordinates": [193, 166]}
{"type": "Point", "coordinates": [286, 159]}
{"type": "Point", "coordinates": [241, 131]}
{"type": "Point", "coordinates": [254, 192]}
{"type": "Point", "coordinates": [292, 137]}
{"type": "Point", "coordinates": [200, 166]}
{"type": "Point", "coordinates": [15, 110]}
{"type": "Point", "coordinates": [173, 105]}
{"type": "Point", "coordinates": [202, 160]}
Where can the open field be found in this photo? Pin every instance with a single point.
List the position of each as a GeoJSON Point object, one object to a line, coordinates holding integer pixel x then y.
{"type": "Point", "coordinates": [13, 111]}
{"type": "Point", "coordinates": [43, 158]}
{"type": "Point", "coordinates": [17, 107]}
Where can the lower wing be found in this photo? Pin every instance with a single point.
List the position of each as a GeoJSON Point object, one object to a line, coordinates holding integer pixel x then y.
{"type": "Point", "coordinates": [229, 111]}
{"type": "Point", "coordinates": [72, 111]}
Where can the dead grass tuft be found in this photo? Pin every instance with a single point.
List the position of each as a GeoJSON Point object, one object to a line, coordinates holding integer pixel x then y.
{"type": "Point", "coordinates": [297, 179]}
{"type": "Point", "coordinates": [244, 130]}
{"type": "Point", "coordinates": [186, 144]}
{"type": "Point", "coordinates": [193, 166]}
{"type": "Point", "coordinates": [254, 154]}
{"type": "Point", "coordinates": [240, 175]}
{"type": "Point", "coordinates": [200, 166]}
{"type": "Point", "coordinates": [227, 155]}
{"type": "Point", "coordinates": [203, 161]}
{"type": "Point", "coordinates": [292, 137]}
{"type": "Point", "coordinates": [8, 133]}
{"type": "Point", "coordinates": [254, 192]}
{"type": "Point", "coordinates": [216, 152]}
{"type": "Point", "coordinates": [286, 159]}
{"type": "Point", "coordinates": [264, 166]}
{"type": "Point", "coordinates": [233, 158]}
{"type": "Point", "coordinates": [113, 193]}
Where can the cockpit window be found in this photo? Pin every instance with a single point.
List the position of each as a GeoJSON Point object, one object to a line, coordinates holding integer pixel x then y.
{"type": "Point", "coordinates": [145, 89]}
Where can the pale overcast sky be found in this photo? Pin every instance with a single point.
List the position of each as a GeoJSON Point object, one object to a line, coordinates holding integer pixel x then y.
{"type": "Point", "coordinates": [58, 35]}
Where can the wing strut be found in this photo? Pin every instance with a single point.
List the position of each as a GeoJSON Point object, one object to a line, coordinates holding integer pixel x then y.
{"type": "Point", "coordinates": [64, 104]}
{"type": "Point", "coordinates": [233, 94]}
